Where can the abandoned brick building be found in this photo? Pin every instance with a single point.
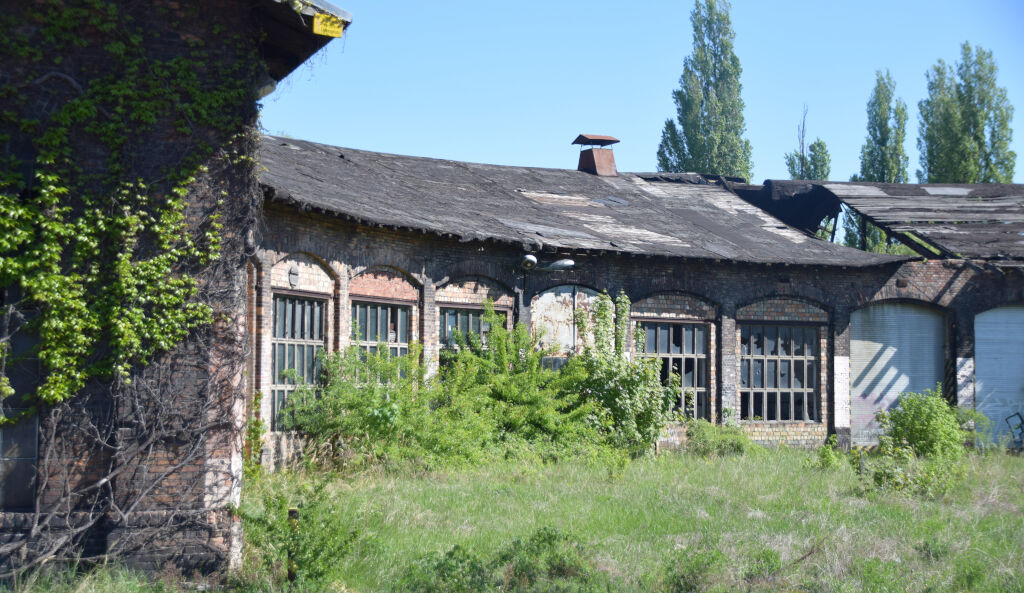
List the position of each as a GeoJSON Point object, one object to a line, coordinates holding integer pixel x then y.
{"type": "Point", "coordinates": [794, 336]}
{"type": "Point", "coordinates": [145, 468]}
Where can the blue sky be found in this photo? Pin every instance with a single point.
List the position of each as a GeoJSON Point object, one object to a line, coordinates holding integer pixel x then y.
{"type": "Point", "coordinates": [514, 83]}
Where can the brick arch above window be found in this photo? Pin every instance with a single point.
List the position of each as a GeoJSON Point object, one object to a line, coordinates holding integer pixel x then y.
{"type": "Point", "coordinates": [674, 305]}
{"type": "Point", "coordinates": [384, 282]}
{"type": "Point", "coordinates": [927, 304]}
{"type": "Point", "coordinates": [302, 271]}
{"type": "Point", "coordinates": [473, 290]}
{"type": "Point", "coordinates": [779, 308]}
{"type": "Point", "coordinates": [552, 316]}
{"type": "Point", "coordinates": [1009, 303]}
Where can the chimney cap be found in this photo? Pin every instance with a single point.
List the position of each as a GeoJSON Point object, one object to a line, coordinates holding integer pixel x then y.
{"type": "Point", "coordinates": [594, 140]}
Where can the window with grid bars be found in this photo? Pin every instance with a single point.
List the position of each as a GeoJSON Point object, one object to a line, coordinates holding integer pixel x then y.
{"type": "Point", "coordinates": [466, 321]}
{"type": "Point", "coordinates": [18, 463]}
{"type": "Point", "coordinates": [298, 338]}
{"type": "Point", "coordinates": [682, 348]}
{"type": "Point", "coordinates": [778, 373]}
{"type": "Point", "coordinates": [382, 324]}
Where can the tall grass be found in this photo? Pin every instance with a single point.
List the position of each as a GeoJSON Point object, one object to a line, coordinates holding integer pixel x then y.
{"type": "Point", "coordinates": [776, 523]}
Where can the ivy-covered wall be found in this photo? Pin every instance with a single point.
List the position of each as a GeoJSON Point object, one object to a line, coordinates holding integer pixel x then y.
{"type": "Point", "coordinates": [127, 198]}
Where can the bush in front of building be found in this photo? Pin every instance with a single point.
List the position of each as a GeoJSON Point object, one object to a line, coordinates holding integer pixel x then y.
{"type": "Point", "coordinates": [926, 423]}
{"type": "Point", "coordinates": [922, 449]}
{"type": "Point", "coordinates": [487, 402]}
{"type": "Point", "coordinates": [628, 393]}
{"type": "Point", "coordinates": [493, 399]}
{"type": "Point", "coordinates": [716, 440]}
{"type": "Point", "coordinates": [295, 537]}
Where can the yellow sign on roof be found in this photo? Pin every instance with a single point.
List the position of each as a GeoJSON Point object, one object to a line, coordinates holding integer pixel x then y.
{"type": "Point", "coordinates": [328, 25]}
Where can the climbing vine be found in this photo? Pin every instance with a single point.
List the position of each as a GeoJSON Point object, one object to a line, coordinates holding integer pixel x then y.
{"type": "Point", "coordinates": [102, 228]}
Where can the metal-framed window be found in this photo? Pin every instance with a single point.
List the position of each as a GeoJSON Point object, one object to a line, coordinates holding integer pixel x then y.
{"type": "Point", "coordinates": [779, 372]}
{"type": "Point", "coordinates": [467, 321]}
{"type": "Point", "coordinates": [18, 453]}
{"type": "Point", "coordinates": [298, 337]}
{"type": "Point", "coordinates": [683, 350]}
{"type": "Point", "coordinates": [386, 324]}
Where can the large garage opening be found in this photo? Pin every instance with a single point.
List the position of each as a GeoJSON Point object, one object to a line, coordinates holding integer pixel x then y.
{"type": "Point", "coordinates": [999, 366]}
{"type": "Point", "coordinates": [894, 347]}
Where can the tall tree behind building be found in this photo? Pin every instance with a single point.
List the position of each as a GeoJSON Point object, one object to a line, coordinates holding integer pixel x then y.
{"type": "Point", "coordinates": [811, 162]}
{"type": "Point", "coordinates": [707, 135]}
{"type": "Point", "coordinates": [808, 162]}
{"type": "Point", "coordinates": [882, 159]}
{"type": "Point", "coordinates": [965, 131]}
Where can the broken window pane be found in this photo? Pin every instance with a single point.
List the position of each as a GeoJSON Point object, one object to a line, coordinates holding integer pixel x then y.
{"type": "Point", "coordinates": [675, 344]}
{"type": "Point", "coordinates": [298, 337]}
{"type": "Point", "coordinates": [785, 341]}
{"type": "Point", "coordinates": [781, 360]}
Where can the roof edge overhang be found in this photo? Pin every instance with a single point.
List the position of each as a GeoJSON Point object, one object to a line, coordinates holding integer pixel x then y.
{"type": "Point", "coordinates": [287, 199]}
{"type": "Point", "coordinates": [288, 28]}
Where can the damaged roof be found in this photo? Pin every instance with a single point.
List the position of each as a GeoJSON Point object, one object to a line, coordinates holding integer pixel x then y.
{"type": "Point", "coordinates": [979, 221]}
{"type": "Point", "coordinates": [642, 214]}
{"type": "Point", "coordinates": [287, 29]}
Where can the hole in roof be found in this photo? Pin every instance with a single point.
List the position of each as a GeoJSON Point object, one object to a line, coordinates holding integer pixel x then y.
{"type": "Point", "coordinates": [291, 146]}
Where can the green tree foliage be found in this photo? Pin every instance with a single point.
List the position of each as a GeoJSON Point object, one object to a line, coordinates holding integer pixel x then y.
{"type": "Point", "coordinates": [872, 238]}
{"type": "Point", "coordinates": [707, 136]}
{"type": "Point", "coordinates": [487, 402]}
{"type": "Point", "coordinates": [883, 159]}
{"type": "Point", "coordinates": [630, 394]}
{"type": "Point", "coordinates": [811, 162]}
{"type": "Point", "coordinates": [926, 423]}
{"type": "Point", "coordinates": [964, 127]}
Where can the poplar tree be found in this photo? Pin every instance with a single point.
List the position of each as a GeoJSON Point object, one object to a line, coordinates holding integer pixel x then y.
{"type": "Point", "coordinates": [964, 126]}
{"type": "Point", "coordinates": [882, 159]}
{"type": "Point", "coordinates": [808, 162]}
{"type": "Point", "coordinates": [707, 134]}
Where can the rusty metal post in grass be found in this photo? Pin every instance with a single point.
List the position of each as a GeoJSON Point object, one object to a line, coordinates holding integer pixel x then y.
{"type": "Point", "coordinates": [293, 525]}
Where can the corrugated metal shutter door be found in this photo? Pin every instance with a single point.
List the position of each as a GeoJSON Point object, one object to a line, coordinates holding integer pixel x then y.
{"type": "Point", "coordinates": [894, 347]}
{"type": "Point", "coordinates": [999, 365]}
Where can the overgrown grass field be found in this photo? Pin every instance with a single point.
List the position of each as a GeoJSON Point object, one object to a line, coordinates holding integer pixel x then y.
{"type": "Point", "coordinates": [829, 534]}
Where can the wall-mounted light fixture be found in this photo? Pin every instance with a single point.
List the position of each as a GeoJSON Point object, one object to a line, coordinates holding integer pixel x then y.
{"type": "Point", "coordinates": [529, 264]}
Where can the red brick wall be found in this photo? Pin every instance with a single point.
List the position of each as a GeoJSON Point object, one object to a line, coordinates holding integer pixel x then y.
{"type": "Point", "coordinates": [724, 294]}
{"type": "Point", "coordinates": [782, 309]}
{"type": "Point", "coordinates": [669, 305]}
{"type": "Point", "coordinates": [474, 291]}
{"type": "Point", "coordinates": [383, 283]}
